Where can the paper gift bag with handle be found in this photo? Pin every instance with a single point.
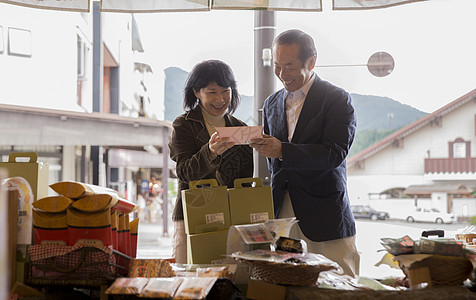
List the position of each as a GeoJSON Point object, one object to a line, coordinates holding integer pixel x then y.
{"type": "Point", "coordinates": [250, 204]}
{"type": "Point", "coordinates": [205, 207]}
{"type": "Point", "coordinates": [36, 173]}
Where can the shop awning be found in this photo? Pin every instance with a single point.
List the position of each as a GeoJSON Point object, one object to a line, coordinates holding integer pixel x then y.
{"type": "Point", "coordinates": [131, 6]}
{"type": "Point", "coordinates": [442, 188]}
{"type": "Point", "coordinates": [42, 127]}
{"type": "Point", "coordinates": [140, 159]}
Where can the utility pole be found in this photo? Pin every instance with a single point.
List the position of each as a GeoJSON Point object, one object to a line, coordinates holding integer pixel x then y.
{"type": "Point", "coordinates": [96, 151]}
{"type": "Point", "coordinates": [264, 33]}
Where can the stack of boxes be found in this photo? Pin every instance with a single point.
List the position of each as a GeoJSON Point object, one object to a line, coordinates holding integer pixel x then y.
{"type": "Point", "coordinates": [80, 215]}
{"type": "Point", "coordinates": [209, 210]}
{"type": "Point", "coordinates": [207, 219]}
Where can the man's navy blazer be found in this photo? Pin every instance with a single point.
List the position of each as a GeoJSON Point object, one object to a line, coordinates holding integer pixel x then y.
{"type": "Point", "coordinates": [313, 165]}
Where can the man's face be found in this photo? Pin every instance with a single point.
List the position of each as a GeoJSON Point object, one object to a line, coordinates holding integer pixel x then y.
{"type": "Point", "coordinates": [292, 72]}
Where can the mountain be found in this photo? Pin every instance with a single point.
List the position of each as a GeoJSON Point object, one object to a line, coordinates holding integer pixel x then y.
{"type": "Point", "coordinates": [377, 116]}
{"type": "Point", "coordinates": [175, 79]}
{"type": "Point", "coordinates": [375, 112]}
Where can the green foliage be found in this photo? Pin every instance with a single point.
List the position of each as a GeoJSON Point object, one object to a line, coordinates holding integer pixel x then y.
{"type": "Point", "coordinates": [172, 189]}
{"type": "Point", "coordinates": [473, 220]}
{"type": "Point", "coordinates": [366, 138]}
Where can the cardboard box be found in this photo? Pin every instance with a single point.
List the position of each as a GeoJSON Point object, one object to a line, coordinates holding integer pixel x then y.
{"type": "Point", "coordinates": [419, 278]}
{"type": "Point", "coordinates": [203, 248]}
{"type": "Point", "coordinates": [50, 228]}
{"type": "Point", "coordinates": [134, 226]}
{"type": "Point", "coordinates": [250, 205]}
{"type": "Point", "coordinates": [205, 209]}
{"type": "Point", "coordinates": [123, 234]}
{"type": "Point", "coordinates": [89, 229]}
{"type": "Point", "coordinates": [36, 173]}
{"type": "Point", "coordinates": [114, 228]}
{"type": "Point", "coordinates": [261, 290]}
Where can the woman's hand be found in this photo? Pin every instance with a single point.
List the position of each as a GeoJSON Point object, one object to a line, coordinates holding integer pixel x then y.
{"type": "Point", "coordinates": [219, 145]}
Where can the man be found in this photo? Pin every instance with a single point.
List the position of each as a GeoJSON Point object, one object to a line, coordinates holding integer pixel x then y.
{"type": "Point", "coordinates": [309, 127]}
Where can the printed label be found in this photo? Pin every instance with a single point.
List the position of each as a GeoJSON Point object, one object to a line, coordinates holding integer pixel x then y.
{"type": "Point", "coordinates": [88, 242]}
{"type": "Point", "coordinates": [53, 243]}
{"type": "Point", "coordinates": [259, 217]}
{"type": "Point", "coordinates": [215, 218]}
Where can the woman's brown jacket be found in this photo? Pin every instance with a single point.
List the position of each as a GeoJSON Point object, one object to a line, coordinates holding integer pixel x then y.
{"type": "Point", "coordinates": [188, 147]}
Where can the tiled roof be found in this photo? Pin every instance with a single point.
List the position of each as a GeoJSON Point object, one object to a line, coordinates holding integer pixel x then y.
{"type": "Point", "coordinates": [407, 130]}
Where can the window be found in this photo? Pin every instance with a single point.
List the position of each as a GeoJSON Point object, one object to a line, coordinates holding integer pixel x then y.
{"type": "Point", "coordinates": [19, 42]}
{"type": "Point", "coordinates": [2, 47]}
{"type": "Point", "coordinates": [459, 150]}
{"type": "Point", "coordinates": [82, 68]}
{"type": "Point", "coordinates": [82, 55]}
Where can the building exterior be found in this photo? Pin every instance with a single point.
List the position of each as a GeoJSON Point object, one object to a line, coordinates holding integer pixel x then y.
{"type": "Point", "coordinates": [432, 159]}
{"type": "Point", "coordinates": [77, 89]}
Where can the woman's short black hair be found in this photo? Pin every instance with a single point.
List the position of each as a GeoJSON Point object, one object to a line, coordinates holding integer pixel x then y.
{"type": "Point", "coordinates": [307, 48]}
{"type": "Point", "coordinates": [202, 75]}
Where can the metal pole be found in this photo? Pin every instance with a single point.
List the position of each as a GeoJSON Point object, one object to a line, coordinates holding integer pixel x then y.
{"type": "Point", "coordinates": [97, 58]}
{"type": "Point", "coordinates": [97, 84]}
{"type": "Point", "coordinates": [165, 181]}
{"type": "Point", "coordinates": [264, 33]}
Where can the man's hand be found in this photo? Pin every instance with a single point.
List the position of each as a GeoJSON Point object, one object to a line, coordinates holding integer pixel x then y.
{"type": "Point", "coordinates": [268, 146]}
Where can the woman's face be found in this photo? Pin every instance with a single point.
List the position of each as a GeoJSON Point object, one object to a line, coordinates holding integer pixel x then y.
{"type": "Point", "coordinates": [214, 98]}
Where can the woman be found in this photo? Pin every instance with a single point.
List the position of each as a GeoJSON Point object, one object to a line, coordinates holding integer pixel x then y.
{"type": "Point", "coordinates": [210, 97]}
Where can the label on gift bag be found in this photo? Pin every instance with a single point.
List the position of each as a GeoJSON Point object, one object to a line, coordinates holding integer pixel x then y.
{"type": "Point", "coordinates": [259, 217]}
{"type": "Point", "coordinates": [215, 218]}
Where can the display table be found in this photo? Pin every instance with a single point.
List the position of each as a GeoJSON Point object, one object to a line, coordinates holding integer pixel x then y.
{"type": "Point", "coordinates": [438, 292]}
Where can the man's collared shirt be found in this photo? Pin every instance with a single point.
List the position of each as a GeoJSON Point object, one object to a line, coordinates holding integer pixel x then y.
{"type": "Point", "coordinates": [294, 103]}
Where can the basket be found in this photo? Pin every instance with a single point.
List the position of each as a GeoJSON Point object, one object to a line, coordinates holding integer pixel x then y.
{"type": "Point", "coordinates": [85, 266]}
{"type": "Point", "coordinates": [444, 270]}
{"type": "Point", "coordinates": [285, 273]}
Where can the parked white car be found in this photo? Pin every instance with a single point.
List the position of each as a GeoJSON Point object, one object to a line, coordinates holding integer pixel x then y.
{"type": "Point", "coordinates": [430, 215]}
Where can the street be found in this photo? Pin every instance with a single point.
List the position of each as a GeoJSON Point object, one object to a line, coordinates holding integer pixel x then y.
{"type": "Point", "coordinates": [154, 244]}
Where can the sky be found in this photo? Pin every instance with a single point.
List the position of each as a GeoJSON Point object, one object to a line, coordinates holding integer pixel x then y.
{"type": "Point", "coordinates": [432, 43]}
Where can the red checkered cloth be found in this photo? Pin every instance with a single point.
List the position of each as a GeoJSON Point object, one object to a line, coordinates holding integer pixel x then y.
{"type": "Point", "coordinates": [38, 252]}
{"type": "Point", "coordinates": [73, 262]}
